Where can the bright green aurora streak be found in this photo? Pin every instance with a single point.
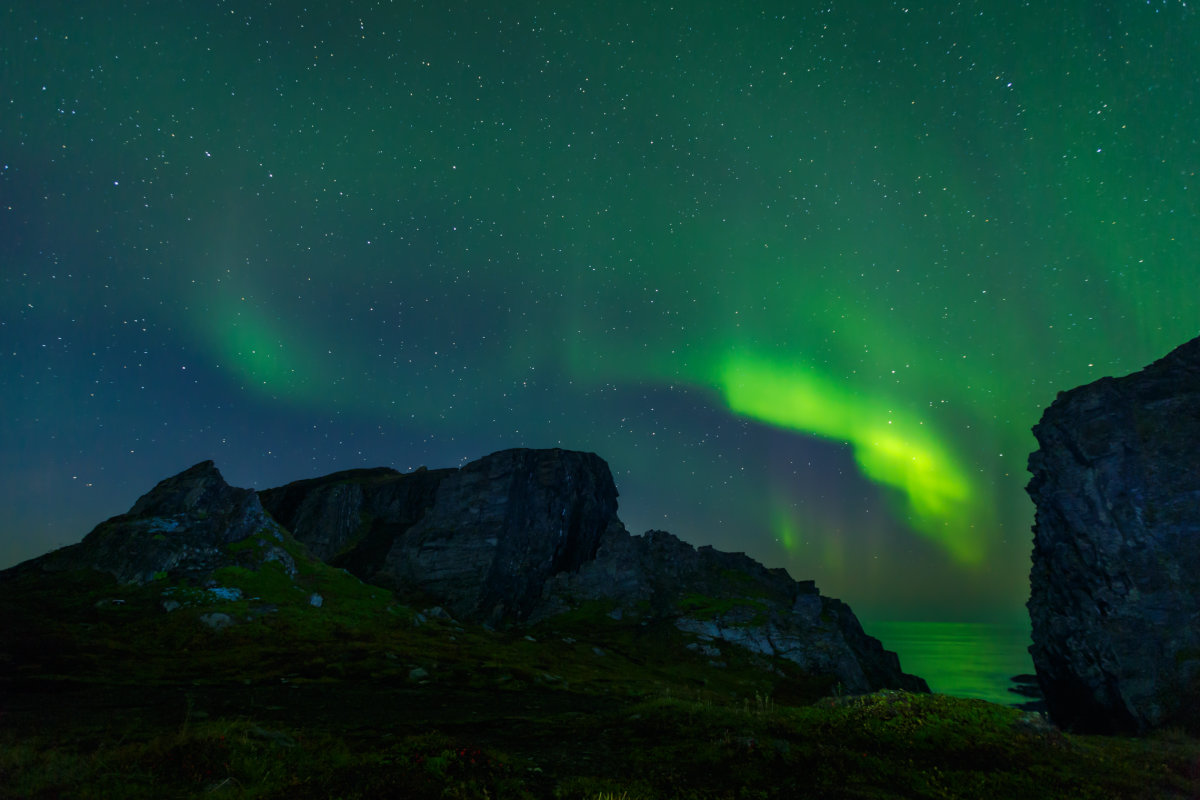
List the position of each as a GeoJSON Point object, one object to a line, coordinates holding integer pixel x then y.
{"type": "Point", "coordinates": [805, 275]}
{"type": "Point", "coordinates": [890, 449]}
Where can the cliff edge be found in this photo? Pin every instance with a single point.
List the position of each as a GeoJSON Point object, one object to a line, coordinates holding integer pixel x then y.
{"type": "Point", "coordinates": [1115, 583]}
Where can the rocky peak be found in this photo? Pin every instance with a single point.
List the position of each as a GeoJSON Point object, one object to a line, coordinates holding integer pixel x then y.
{"type": "Point", "coordinates": [200, 497]}
{"type": "Point", "coordinates": [1115, 582]}
{"type": "Point", "coordinates": [181, 525]}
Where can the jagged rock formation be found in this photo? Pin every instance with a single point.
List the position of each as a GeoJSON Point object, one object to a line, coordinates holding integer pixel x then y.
{"type": "Point", "coordinates": [182, 526]}
{"type": "Point", "coordinates": [732, 598]}
{"type": "Point", "coordinates": [523, 535]}
{"type": "Point", "coordinates": [517, 537]}
{"type": "Point", "coordinates": [481, 540]}
{"type": "Point", "coordinates": [1115, 583]}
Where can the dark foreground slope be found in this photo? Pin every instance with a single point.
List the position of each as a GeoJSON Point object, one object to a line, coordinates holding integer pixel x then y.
{"type": "Point", "coordinates": [107, 696]}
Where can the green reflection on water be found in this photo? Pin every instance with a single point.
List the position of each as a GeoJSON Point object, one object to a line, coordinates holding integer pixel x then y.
{"type": "Point", "coordinates": [965, 659]}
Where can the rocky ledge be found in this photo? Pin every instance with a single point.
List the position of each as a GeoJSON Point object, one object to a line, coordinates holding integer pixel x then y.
{"type": "Point", "coordinates": [727, 597]}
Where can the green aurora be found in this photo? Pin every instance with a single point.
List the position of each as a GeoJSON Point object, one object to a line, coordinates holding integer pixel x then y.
{"type": "Point", "coordinates": [804, 275]}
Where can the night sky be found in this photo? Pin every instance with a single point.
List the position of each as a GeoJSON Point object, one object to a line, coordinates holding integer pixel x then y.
{"type": "Point", "coordinates": [805, 275]}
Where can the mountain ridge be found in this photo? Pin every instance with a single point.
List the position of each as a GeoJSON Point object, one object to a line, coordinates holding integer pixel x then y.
{"type": "Point", "coordinates": [515, 538]}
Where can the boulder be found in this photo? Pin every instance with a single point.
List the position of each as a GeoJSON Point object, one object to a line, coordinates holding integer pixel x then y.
{"type": "Point", "coordinates": [1115, 582]}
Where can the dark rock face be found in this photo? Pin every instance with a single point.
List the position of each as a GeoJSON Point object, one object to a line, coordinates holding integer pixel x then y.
{"type": "Point", "coordinates": [731, 598]}
{"type": "Point", "coordinates": [519, 536]}
{"type": "Point", "coordinates": [351, 519]}
{"type": "Point", "coordinates": [502, 526]}
{"type": "Point", "coordinates": [182, 525]}
{"type": "Point", "coordinates": [480, 540]}
{"type": "Point", "coordinates": [524, 535]}
{"type": "Point", "coordinates": [1115, 583]}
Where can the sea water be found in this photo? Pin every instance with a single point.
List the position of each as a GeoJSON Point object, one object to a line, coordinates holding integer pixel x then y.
{"type": "Point", "coordinates": [965, 659]}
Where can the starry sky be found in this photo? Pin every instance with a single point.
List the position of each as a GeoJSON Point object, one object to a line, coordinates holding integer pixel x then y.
{"type": "Point", "coordinates": [804, 274]}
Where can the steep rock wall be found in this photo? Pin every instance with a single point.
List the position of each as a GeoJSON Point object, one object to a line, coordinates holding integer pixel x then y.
{"type": "Point", "coordinates": [1115, 582]}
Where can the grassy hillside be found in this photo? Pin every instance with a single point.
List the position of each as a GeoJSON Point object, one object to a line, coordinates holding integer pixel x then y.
{"type": "Point", "coordinates": [105, 694]}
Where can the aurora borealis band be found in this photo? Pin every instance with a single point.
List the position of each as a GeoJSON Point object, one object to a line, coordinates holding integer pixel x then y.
{"type": "Point", "coordinates": [804, 275]}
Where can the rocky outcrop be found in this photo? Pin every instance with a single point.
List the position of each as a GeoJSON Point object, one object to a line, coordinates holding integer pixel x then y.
{"type": "Point", "coordinates": [727, 597]}
{"type": "Point", "coordinates": [521, 536]}
{"type": "Point", "coordinates": [480, 540]}
{"type": "Point", "coordinates": [180, 527]}
{"type": "Point", "coordinates": [1115, 583]}
{"type": "Point", "coordinates": [518, 537]}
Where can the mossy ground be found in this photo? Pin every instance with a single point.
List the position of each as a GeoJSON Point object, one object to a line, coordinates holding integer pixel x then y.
{"type": "Point", "coordinates": [353, 699]}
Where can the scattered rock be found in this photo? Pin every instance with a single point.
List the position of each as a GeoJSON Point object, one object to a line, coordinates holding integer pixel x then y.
{"type": "Point", "coordinates": [418, 674]}
{"type": "Point", "coordinates": [1026, 686]}
{"type": "Point", "coordinates": [316, 600]}
{"type": "Point", "coordinates": [217, 621]}
{"type": "Point", "coordinates": [273, 737]}
{"type": "Point", "coordinates": [179, 596]}
{"type": "Point", "coordinates": [277, 555]}
{"type": "Point", "coordinates": [1115, 583]}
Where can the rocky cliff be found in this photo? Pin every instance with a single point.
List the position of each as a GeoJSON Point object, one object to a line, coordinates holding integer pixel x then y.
{"type": "Point", "coordinates": [524, 535]}
{"type": "Point", "coordinates": [1115, 582]}
{"type": "Point", "coordinates": [480, 540]}
{"type": "Point", "coordinates": [180, 527]}
{"type": "Point", "coordinates": [516, 538]}
{"type": "Point", "coordinates": [727, 597]}
{"type": "Point", "coordinates": [352, 519]}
